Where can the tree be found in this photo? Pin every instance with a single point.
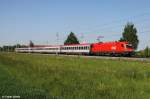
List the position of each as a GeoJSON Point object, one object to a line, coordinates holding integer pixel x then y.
{"type": "Point", "coordinates": [146, 51]}
{"type": "Point", "coordinates": [71, 39]}
{"type": "Point", "coordinates": [130, 35]}
{"type": "Point", "coordinates": [17, 46]}
{"type": "Point", "coordinates": [31, 44]}
{"type": "Point", "coordinates": [1, 49]}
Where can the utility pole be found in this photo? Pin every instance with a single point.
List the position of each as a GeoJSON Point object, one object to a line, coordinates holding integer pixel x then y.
{"type": "Point", "coordinates": [98, 38]}
{"type": "Point", "coordinates": [82, 38]}
{"type": "Point", "coordinates": [8, 48]}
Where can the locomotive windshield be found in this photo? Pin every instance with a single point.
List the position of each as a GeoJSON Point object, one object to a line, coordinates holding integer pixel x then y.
{"type": "Point", "coordinates": [129, 46]}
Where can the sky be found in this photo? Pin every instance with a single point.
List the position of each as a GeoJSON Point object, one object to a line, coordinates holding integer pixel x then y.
{"type": "Point", "coordinates": [41, 20]}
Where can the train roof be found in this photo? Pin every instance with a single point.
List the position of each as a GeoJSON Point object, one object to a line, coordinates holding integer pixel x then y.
{"type": "Point", "coordinates": [117, 42]}
{"type": "Point", "coordinates": [76, 44]}
{"type": "Point", "coordinates": [84, 44]}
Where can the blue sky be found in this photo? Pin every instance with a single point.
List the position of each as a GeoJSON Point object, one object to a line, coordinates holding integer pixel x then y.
{"type": "Point", "coordinates": [40, 20]}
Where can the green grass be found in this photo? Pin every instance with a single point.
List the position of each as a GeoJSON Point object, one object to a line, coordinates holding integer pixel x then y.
{"type": "Point", "coordinates": [32, 76]}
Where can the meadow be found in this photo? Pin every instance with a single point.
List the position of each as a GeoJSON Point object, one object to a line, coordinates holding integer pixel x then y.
{"type": "Point", "coordinates": [35, 76]}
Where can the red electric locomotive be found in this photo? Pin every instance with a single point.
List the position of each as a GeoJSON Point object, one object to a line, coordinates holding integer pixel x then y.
{"type": "Point", "coordinates": [112, 48]}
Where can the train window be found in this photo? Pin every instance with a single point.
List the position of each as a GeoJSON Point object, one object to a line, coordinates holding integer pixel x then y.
{"type": "Point", "coordinates": [86, 47]}
{"type": "Point", "coordinates": [82, 47]}
{"type": "Point", "coordinates": [129, 46]}
{"type": "Point", "coordinates": [79, 47]}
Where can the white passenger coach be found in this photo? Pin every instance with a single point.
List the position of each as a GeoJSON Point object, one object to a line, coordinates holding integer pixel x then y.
{"type": "Point", "coordinates": [64, 49]}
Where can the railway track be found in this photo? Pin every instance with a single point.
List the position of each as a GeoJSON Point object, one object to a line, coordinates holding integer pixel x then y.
{"type": "Point", "coordinates": [113, 58]}
{"type": "Point", "coordinates": [121, 58]}
{"type": "Point", "coordinates": [101, 57]}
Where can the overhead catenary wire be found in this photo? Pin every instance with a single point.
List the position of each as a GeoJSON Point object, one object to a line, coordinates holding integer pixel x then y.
{"type": "Point", "coordinates": [107, 25]}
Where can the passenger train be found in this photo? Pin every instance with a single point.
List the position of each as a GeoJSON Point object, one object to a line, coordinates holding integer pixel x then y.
{"type": "Point", "coordinates": [102, 48]}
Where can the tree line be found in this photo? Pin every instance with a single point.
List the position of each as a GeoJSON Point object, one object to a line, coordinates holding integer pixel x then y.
{"type": "Point", "coordinates": [11, 48]}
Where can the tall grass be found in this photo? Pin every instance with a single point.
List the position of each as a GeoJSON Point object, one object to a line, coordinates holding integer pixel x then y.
{"type": "Point", "coordinates": [44, 76]}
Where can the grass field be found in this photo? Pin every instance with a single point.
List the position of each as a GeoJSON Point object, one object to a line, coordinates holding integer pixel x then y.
{"type": "Point", "coordinates": [32, 76]}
